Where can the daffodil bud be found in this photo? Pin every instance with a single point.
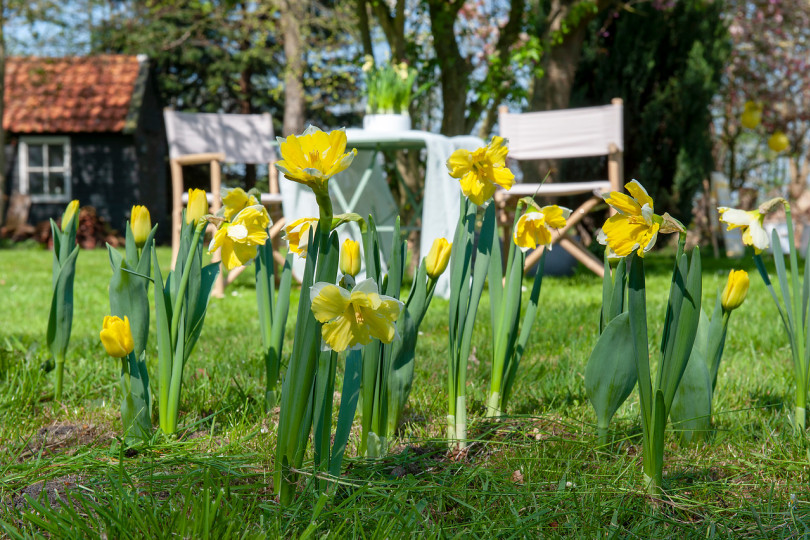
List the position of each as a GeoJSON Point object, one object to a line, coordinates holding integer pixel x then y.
{"type": "Point", "coordinates": [70, 211]}
{"type": "Point", "coordinates": [141, 223]}
{"type": "Point", "coordinates": [197, 205]}
{"type": "Point", "coordinates": [735, 291]}
{"type": "Point", "coordinates": [438, 257]}
{"type": "Point", "coordinates": [350, 258]}
{"type": "Point", "coordinates": [116, 336]}
{"type": "Point", "coordinates": [778, 142]}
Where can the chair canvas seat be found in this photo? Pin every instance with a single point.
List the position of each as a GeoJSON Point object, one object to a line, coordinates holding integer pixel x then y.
{"type": "Point", "coordinates": [567, 133]}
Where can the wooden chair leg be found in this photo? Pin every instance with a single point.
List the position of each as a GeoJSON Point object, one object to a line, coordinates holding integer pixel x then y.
{"type": "Point", "coordinates": [580, 253]}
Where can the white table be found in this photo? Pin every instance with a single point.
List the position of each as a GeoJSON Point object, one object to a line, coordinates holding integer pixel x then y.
{"type": "Point", "coordinates": [363, 189]}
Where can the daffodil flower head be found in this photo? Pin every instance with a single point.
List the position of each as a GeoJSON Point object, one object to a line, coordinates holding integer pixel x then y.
{"type": "Point", "coordinates": [778, 142]}
{"type": "Point", "coordinates": [240, 238]}
{"type": "Point", "coordinates": [297, 235]}
{"type": "Point", "coordinates": [750, 224]}
{"type": "Point", "coordinates": [314, 157]}
{"type": "Point", "coordinates": [235, 200]}
{"type": "Point", "coordinates": [480, 171]}
{"type": "Point", "coordinates": [351, 319]}
{"type": "Point", "coordinates": [636, 225]}
{"type": "Point", "coordinates": [534, 227]}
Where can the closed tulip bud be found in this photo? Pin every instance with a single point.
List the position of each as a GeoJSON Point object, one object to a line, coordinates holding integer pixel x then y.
{"type": "Point", "coordinates": [438, 257]}
{"type": "Point", "coordinates": [752, 115]}
{"type": "Point", "coordinates": [350, 258]}
{"type": "Point", "coordinates": [141, 223]}
{"type": "Point", "coordinates": [778, 142]}
{"type": "Point", "coordinates": [197, 205]}
{"type": "Point", "coordinates": [736, 290]}
{"type": "Point", "coordinates": [70, 211]}
{"type": "Point", "coordinates": [117, 336]}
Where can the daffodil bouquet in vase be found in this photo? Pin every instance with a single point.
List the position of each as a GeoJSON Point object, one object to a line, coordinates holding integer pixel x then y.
{"type": "Point", "coordinates": [388, 95]}
{"type": "Point", "coordinates": [479, 173]}
{"type": "Point", "coordinates": [630, 234]}
{"type": "Point", "coordinates": [794, 289]}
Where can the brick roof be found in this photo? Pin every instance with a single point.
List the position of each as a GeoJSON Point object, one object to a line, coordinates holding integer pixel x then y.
{"type": "Point", "coordinates": [69, 95]}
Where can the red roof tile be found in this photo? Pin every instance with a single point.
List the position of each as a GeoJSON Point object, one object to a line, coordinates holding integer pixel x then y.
{"type": "Point", "coordinates": [69, 95]}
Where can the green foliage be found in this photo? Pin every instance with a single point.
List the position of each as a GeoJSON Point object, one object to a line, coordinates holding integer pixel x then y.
{"type": "Point", "coordinates": [666, 65]}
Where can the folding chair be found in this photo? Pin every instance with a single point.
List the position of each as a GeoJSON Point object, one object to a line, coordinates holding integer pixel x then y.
{"type": "Point", "coordinates": [200, 138]}
{"type": "Point", "coordinates": [567, 133]}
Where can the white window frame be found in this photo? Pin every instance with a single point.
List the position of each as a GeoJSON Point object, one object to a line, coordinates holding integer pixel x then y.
{"type": "Point", "coordinates": [25, 169]}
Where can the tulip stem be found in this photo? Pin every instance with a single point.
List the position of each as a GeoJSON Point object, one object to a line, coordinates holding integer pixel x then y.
{"type": "Point", "coordinates": [60, 375]}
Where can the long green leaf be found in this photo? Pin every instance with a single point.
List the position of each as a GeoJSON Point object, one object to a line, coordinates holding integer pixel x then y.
{"type": "Point", "coordinates": [60, 320]}
{"type": "Point", "coordinates": [348, 406]}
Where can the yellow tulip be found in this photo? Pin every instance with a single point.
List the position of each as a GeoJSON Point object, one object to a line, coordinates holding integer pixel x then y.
{"type": "Point", "coordinates": [352, 319]}
{"type": "Point", "coordinates": [480, 171]}
{"type": "Point", "coordinates": [297, 235]}
{"type": "Point", "coordinates": [752, 115]}
{"type": "Point", "coordinates": [778, 142]}
{"type": "Point", "coordinates": [235, 200]}
{"type": "Point", "coordinates": [240, 238]}
{"type": "Point", "coordinates": [70, 211]}
{"type": "Point", "coordinates": [534, 227]}
{"type": "Point", "coordinates": [314, 157]}
{"type": "Point", "coordinates": [350, 257]}
{"type": "Point", "coordinates": [141, 224]}
{"type": "Point", "coordinates": [116, 336]}
{"type": "Point", "coordinates": [635, 227]}
{"type": "Point", "coordinates": [197, 205]}
{"type": "Point", "coordinates": [438, 257]}
{"type": "Point", "coordinates": [735, 291]}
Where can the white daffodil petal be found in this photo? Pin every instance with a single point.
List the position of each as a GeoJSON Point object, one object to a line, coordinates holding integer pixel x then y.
{"type": "Point", "coordinates": [758, 236]}
{"type": "Point", "coordinates": [735, 216]}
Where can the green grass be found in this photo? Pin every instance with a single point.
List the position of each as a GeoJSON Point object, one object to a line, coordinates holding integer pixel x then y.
{"type": "Point", "coordinates": [64, 473]}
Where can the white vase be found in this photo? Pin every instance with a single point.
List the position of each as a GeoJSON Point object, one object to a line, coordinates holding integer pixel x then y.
{"type": "Point", "coordinates": [387, 122]}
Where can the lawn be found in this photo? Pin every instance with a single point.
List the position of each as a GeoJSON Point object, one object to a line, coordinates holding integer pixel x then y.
{"type": "Point", "coordinates": [64, 473]}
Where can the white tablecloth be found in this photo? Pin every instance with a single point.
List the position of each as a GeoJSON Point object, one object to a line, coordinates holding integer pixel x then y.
{"type": "Point", "coordinates": [440, 202]}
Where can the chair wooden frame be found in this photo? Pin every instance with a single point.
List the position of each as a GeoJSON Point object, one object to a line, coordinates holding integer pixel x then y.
{"type": "Point", "coordinates": [596, 188]}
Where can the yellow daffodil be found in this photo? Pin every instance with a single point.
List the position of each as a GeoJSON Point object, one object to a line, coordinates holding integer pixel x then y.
{"type": "Point", "coordinates": [534, 227]}
{"type": "Point", "coordinates": [70, 211]}
{"type": "Point", "coordinates": [141, 223]}
{"type": "Point", "coordinates": [438, 257]}
{"type": "Point", "coordinates": [297, 235]}
{"type": "Point", "coordinates": [752, 115]}
{"type": "Point", "coordinates": [636, 226]}
{"type": "Point", "coordinates": [235, 200]}
{"type": "Point", "coordinates": [197, 205]}
{"type": "Point", "coordinates": [735, 291]}
{"type": "Point", "coordinates": [240, 238]}
{"type": "Point", "coordinates": [352, 319]}
{"type": "Point", "coordinates": [480, 171]}
{"type": "Point", "coordinates": [116, 336]}
{"type": "Point", "coordinates": [778, 142]}
{"type": "Point", "coordinates": [750, 223]}
{"type": "Point", "coordinates": [368, 63]}
{"type": "Point", "coordinates": [350, 257]}
{"type": "Point", "coordinates": [313, 157]}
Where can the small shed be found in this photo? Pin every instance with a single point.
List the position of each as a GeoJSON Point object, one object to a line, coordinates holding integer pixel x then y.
{"type": "Point", "coordinates": [87, 128]}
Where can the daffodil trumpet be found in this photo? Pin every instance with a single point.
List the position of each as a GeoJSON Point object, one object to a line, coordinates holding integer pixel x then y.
{"type": "Point", "coordinates": [60, 318]}
{"type": "Point", "coordinates": [509, 340]}
{"type": "Point", "coordinates": [180, 307]}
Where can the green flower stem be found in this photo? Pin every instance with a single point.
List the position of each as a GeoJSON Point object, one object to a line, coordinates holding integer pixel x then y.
{"type": "Point", "coordinates": [177, 361]}
{"type": "Point", "coordinates": [60, 375]}
{"type": "Point", "coordinates": [798, 330]}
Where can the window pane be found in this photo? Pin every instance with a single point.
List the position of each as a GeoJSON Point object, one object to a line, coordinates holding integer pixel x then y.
{"type": "Point", "coordinates": [57, 181]}
{"type": "Point", "coordinates": [56, 155]}
{"type": "Point", "coordinates": [36, 183]}
{"type": "Point", "coordinates": [35, 155]}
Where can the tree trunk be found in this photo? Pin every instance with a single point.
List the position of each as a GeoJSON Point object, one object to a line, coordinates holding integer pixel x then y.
{"type": "Point", "coordinates": [2, 111]}
{"type": "Point", "coordinates": [455, 70]}
{"type": "Point", "coordinates": [292, 21]}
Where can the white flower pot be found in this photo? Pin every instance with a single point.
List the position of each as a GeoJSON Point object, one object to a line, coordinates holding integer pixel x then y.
{"type": "Point", "coordinates": [387, 122]}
